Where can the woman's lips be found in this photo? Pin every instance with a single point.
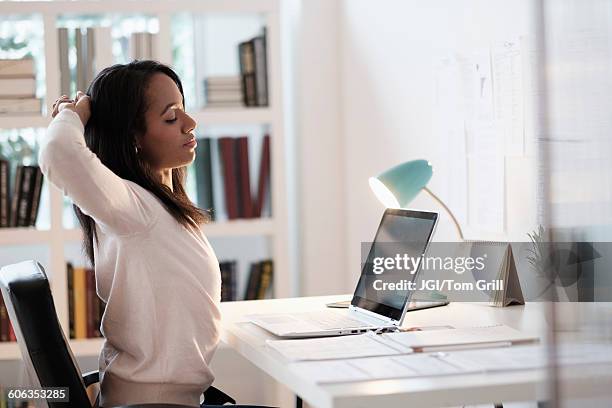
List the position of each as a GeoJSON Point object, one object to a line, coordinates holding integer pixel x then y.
{"type": "Point", "coordinates": [191, 143]}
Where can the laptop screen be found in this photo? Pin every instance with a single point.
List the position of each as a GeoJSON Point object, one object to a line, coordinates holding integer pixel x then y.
{"type": "Point", "coordinates": [401, 239]}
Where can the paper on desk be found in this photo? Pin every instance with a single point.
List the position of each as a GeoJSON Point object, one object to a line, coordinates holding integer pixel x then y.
{"type": "Point", "coordinates": [462, 336]}
{"type": "Point", "coordinates": [379, 368]}
{"type": "Point", "coordinates": [526, 357]}
{"type": "Point", "coordinates": [361, 345]}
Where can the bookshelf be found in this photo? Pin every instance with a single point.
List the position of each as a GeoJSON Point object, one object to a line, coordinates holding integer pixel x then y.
{"type": "Point", "coordinates": [57, 237]}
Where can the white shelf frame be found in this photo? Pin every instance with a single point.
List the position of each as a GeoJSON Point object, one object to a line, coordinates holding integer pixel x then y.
{"type": "Point", "coordinates": [284, 282]}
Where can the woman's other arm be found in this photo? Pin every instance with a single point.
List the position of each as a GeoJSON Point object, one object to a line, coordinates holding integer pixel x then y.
{"type": "Point", "coordinates": [71, 166]}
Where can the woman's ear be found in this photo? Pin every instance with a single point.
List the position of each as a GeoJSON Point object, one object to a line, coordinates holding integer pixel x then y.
{"type": "Point", "coordinates": [137, 144]}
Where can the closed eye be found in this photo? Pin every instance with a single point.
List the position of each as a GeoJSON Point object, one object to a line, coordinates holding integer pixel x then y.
{"type": "Point", "coordinates": [171, 120]}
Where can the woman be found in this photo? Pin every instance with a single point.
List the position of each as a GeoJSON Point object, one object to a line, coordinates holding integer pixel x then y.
{"type": "Point", "coordinates": [120, 153]}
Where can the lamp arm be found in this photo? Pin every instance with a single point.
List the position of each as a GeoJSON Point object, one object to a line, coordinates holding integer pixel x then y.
{"type": "Point", "coordinates": [435, 197]}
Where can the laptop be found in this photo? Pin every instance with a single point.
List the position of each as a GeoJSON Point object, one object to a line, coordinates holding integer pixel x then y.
{"type": "Point", "coordinates": [373, 307]}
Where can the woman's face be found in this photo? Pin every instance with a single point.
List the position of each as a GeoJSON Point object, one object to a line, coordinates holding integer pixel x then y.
{"type": "Point", "coordinates": [166, 145]}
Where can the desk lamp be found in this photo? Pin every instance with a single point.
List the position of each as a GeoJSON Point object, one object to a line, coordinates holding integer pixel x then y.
{"type": "Point", "coordinates": [399, 185]}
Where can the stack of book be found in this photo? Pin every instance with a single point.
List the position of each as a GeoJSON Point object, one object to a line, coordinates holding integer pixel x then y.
{"type": "Point", "coordinates": [18, 87]}
{"type": "Point", "coordinates": [85, 308]}
{"type": "Point", "coordinates": [229, 157]}
{"type": "Point", "coordinates": [93, 50]}
{"type": "Point", "coordinates": [7, 333]}
{"type": "Point", "coordinates": [260, 280]}
{"type": "Point", "coordinates": [254, 70]}
{"type": "Point", "coordinates": [258, 284]}
{"type": "Point", "coordinates": [142, 46]}
{"type": "Point", "coordinates": [223, 91]}
{"type": "Point", "coordinates": [24, 198]}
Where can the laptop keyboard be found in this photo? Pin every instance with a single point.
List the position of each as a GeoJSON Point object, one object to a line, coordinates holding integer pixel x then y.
{"type": "Point", "coordinates": [326, 320]}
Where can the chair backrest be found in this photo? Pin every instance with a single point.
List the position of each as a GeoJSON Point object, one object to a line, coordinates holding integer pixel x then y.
{"type": "Point", "coordinates": [44, 348]}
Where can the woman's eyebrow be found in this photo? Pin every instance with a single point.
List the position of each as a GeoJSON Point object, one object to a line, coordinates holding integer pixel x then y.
{"type": "Point", "coordinates": [168, 106]}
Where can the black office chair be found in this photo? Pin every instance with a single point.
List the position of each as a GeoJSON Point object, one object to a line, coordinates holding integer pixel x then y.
{"type": "Point", "coordinates": [46, 353]}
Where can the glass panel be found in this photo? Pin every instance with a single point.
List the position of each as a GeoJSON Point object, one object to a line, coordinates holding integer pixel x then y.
{"type": "Point", "coordinates": [206, 45]}
{"type": "Point", "coordinates": [22, 36]}
{"type": "Point", "coordinates": [576, 197]}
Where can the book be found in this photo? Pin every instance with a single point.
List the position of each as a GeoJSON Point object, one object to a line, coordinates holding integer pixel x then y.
{"type": "Point", "coordinates": [246, 57]}
{"type": "Point", "coordinates": [246, 202]}
{"type": "Point", "coordinates": [64, 66]}
{"type": "Point", "coordinates": [23, 87]}
{"type": "Point", "coordinates": [103, 48]}
{"type": "Point", "coordinates": [17, 182]}
{"type": "Point", "coordinates": [263, 186]}
{"type": "Point", "coordinates": [204, 176]}
{"type": "Point", "coordinates": [228, 280]}
{"type": "Point", "coordinates": [70, 280]}
{"type": "Point", "coordinates": [25, 195]}
{"type": "Point", "coordinates": [90, 299]}
{"type": "Point", "coordinates": [252, 288]}
{"type": "Point", "coordinates": [261, 69]}
{"type": "Point", "coordinates": [12, 336]}
{"type": "Point", "coordinates": [4, 193]}
{"type": "Point", "coordinates": [227, 151]}
{"type": "Point", "coordinates": [4, 321]}
{"type": "Point", "coordinates": [21, 67]}
{"type": "Point", "coordinates": [35, 202]}
{"type": "Point", "coordinates": [80, 303]}
{"type": "Point", "coordinates": [265, 278]}
{"type": "Point", "coordinates": [80, 45]}
{"type": "Point", "coordinates": [231, 80]}
{"type": "Point", "coordinates": [89, 56]}
{"type": "Point", "coordinates": [227, 104]}
{"type": "Point", "coordinates": [20, 106]}
{"type": "Point", "coordinates": [141, 46]}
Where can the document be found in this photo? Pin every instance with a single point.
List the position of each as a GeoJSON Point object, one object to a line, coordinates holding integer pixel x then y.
{"type": "Point", "coordinates": [381, 368]}
{"type": "Point", "coordinates": [441, 339]}
{"type": "Point", "coordinates": [419, 365]}
{"type": "Point", "coordinates": [361, 345]}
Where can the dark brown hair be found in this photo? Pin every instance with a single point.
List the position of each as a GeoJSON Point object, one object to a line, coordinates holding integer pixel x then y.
{"type": "Point", "coordinates": [118, 107]}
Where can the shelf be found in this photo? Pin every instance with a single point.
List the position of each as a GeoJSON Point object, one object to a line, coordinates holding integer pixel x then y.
{"type": "Point", "coordinates": [229, 116]}
{"type": "Point", "coordinates": [24, 235]}
{"type": "Point", "coordinates": [211, 6]}
{"type": "Point", "coordinates": [256, 226]}
{"type": "Point", "coordinates": [9, 351]}
{"type": "Point", "coordinates": [86, 347]}
{"type": "Point", "coordinates": [23, 121]}
{"type": "Point", "coordinates": [236, 228]}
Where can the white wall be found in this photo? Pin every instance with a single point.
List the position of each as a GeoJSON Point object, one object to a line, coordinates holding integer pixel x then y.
{"type": "Point", "coordinates": [388, 52]}
{"type": "Point", "coordinates": [320, 149]}
{"type": "Point", "coordinates": [365, 96]}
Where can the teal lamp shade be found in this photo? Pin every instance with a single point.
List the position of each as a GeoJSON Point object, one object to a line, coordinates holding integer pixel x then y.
{"type": "Point", "coordinates": [399, 185]}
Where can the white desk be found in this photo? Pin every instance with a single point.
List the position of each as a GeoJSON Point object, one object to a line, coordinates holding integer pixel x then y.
{"type": "Point", "coordinates": [249, 341]}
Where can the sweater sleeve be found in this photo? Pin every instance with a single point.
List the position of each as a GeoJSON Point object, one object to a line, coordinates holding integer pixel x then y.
{"type": "Point", "coordinates": [67, 162]}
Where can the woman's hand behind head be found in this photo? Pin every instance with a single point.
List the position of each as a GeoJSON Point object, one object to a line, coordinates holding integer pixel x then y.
{"type": "Point", "coordinates": [81, 105]}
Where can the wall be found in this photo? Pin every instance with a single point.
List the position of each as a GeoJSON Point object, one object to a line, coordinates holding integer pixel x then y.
{"type": "Point", "coordinates": [388, 52]}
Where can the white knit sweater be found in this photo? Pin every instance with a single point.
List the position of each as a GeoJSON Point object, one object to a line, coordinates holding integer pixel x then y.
{"type": "Point", "coordinates": [161, 281]}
